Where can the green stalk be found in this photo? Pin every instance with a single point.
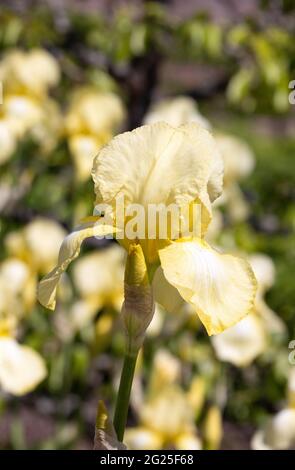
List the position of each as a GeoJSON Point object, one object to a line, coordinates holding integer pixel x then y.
{"type": "Point", "coordinates": [123, 397]}
{"type": "Point", "coordinates": [137, 313]}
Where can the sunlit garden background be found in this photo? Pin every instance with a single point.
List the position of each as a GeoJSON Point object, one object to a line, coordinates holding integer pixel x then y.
{"type": "Point", "coordinates": [74, 74]}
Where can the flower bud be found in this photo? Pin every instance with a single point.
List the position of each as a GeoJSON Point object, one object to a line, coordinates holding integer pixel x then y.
{"type": "Point", "coordinates": [138, 307]}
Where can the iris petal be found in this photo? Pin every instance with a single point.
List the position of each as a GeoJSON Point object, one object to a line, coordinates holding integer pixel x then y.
{"type": "Point", "coordinates": [221, 287]}
{"type": "Point", "coordinates": [69, 250]}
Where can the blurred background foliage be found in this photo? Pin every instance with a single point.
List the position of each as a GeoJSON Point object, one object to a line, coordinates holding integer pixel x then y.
{"type": "Point", "coordinates": [238, 68]}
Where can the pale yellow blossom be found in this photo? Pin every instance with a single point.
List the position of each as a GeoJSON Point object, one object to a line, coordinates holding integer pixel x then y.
{"type": "Point", "coordinates": [165, 372]}
{"type": "Point", "coordinates": [239, 162]}
{"type": "Point", "coordinates": [241, 343]}
{"type": "Point", "coordinates": [162, 164]}
{"type": "Point", "coordinates": [250, 337]}
{"type": "Point", "coordinates": [31, 115]}
{"type": "Point", "coordinates": [264, 270]}
{"type": "Point", "coordinates": [31, 73]}
{"type": "Point", "coordinates": [27, 78]}
{"type": "Point", "coordinates": [176, 111]}
{"type": "Point", "coordinates": [21, 368]}
{"type": "Point", "coordinates": [159, 428]}
{"type": "Point", "coordinates": [98, 278]}
{"type": "Point", "coordinates": [92, 119]}
{"type": "Point", "coordinates": [37, 243]}
{"type": "Point", "coordinates": [278, 432]}
{"type": "Point", "coordinates": [19, 285]}
{"type": "Point", "coordinates": [8, 138]}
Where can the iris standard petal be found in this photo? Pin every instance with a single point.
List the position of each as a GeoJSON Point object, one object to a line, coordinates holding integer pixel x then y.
{"type": "Point", "coordinates": [221, 287]}
{"type": "Point", "coordinates": [160, 164]}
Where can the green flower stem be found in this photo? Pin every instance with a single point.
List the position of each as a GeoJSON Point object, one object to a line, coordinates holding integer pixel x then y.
{"type": "Point", "coordinates": [137, 313]}
{"type": "Point", "coordinates": [123, 397]}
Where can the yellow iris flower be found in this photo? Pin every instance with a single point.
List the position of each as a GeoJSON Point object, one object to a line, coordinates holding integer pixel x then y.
{"type": "Point", "coordinates": [250, 337]}
{"type": "Point", "coordinates": [19, 286]}
{"type": "Point", "coordinates": [159, 428]}
{"type": "Point", "coordinates": [29, 73]}
{"type": "Point", "coordinates": [156, 164]}
{"type": "Point", "coordinates": [98, 278]}
{"type": "Point", "coordinates": [278, 431]}
{"type": "Point", "coordinates": [239, 162]}
{"type": "Point", "coordinates": [176, 111]}
{"type": "Point", "coordinates": [166, 371]}
{"type": "Point", "coordinates": [241, 343]}
{"type": "Point", "coordinates": [21, 368]}
{"type": "Point", "coordinates": [36, 243]}
{"type": "Point", "coordinates": [27, 78]}
{"type": "Point", "coordinates": [91, 121]}
{"type": "Point", "coordinates": [237, 155]}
